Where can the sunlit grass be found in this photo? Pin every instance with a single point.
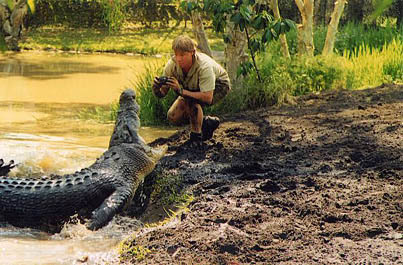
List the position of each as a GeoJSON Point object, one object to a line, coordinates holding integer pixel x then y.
{"type": "Point", "coordinates": [371, 67]}
{"type": "Point", "coordinates": [129, 251]}
{"type": "Point", "coordinates": [129, 40]}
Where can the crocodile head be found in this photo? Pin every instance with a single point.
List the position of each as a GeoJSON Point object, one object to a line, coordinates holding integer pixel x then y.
{"type": "Point", "coordinates": [128, 124]}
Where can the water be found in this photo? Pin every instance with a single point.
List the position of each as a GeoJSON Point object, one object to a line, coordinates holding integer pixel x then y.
{"type": "Point", "coordinates": [74, 245]}
{"type": "Point", "coordinates": [40, 96]}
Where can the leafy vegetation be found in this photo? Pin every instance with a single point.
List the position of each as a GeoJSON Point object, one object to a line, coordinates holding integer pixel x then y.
{"type": "Point", "coordinates": [107, 14]}
{"type": "Point", "coordinates": [168, 194]}
{"type": "Point", "coordinates": [284, 78]}
{"type": "Point", "coordinates": [168, 190]}
{"type": "Point", "coordinates": [370, 67]}
{"type": "Point", "coordinates": [258, 25]}
{"type": "Point", "coordinates": [354, 35]}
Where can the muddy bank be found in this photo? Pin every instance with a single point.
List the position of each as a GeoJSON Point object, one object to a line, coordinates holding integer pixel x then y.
{"type": "Point", "coordinates": [319, 182]}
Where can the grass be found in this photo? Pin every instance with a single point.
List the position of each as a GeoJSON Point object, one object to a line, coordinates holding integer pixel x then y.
{"type": "Point", "coordinates": [153, 110]}
{"type": "Point", "coordinates": [371, 67]}
{"type": "Point", "coordinates": [130, 251]}
{"type": "Point", "coordinates": [354, 35]}
{"type": "Point", "coordinates": [168, 190]}
{"type": "Point", "coordinates": [131, 39]}
{"type": "Point", "coordinates": [285, 78]}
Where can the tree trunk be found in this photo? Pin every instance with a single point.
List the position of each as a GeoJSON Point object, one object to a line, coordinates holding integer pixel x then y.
{"type": "Point", "coordinates": [329, 8]}
{"type": "Point", "coordinates": [199, 33]}
{"type": "Point", "coordinates": [283, 39]}
{"type": "Point", "coordinates": [332, 28]}
{"type": "Point", "coordinates": [12, 23]}
{"type": "Point", "coordinates": [235, 53]}
{"type": "Point", "coordinates": [305, 30]}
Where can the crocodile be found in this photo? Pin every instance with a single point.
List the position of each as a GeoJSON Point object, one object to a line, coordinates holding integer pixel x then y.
{"type": "Point", "coordinates": [95, 194]}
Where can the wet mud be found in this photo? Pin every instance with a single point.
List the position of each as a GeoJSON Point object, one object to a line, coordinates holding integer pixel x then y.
{"type": "Point", "coordinates": [318, 182]}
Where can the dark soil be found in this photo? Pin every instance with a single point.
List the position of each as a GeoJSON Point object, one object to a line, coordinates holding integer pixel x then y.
{"type": "Point", "coordinates": [318, 182]}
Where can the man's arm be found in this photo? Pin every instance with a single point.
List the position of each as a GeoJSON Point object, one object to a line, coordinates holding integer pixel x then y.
{"type": "Point", "coordinates": [205, 97]}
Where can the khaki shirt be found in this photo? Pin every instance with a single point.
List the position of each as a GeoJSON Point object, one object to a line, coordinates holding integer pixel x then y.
{"type": "Point", "coordinates": [202, 75]}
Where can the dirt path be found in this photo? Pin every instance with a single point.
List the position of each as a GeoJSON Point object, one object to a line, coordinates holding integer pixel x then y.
{"type": "Point", "coordinates": [315, 183]}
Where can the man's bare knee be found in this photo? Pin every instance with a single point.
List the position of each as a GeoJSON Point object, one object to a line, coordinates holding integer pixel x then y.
{"type": "Point", "coordinates": [175, 117]}
{"type": "Point", "coordinates": [171, 117]}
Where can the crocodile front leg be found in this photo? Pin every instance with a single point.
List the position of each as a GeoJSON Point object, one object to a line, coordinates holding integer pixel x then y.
{"type": "Point", "coordinates": [111, 206]}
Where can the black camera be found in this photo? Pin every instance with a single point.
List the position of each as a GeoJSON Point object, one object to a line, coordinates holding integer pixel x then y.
{"type": "Point", "coordinates": [163, 80]}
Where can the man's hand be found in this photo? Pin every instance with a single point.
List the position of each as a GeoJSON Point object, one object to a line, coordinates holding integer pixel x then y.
{"type": "Point", "coordinates": [174, 84]}
{"type": "Point", "coordinates": [205, 97]}
{"type": "Point", "coordinates": [160, 90]}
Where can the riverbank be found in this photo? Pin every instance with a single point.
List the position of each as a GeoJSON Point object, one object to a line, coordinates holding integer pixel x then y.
{"type": "Point", "coordinates": [132, 39]}
{"type": "Point", "coordinates": [319, 182]}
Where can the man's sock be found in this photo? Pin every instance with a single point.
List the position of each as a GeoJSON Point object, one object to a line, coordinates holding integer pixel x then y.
{"type": "Point", "coordinates": [195, 137]}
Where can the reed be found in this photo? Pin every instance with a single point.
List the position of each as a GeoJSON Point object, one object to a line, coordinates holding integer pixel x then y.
{"type": "Point", "coordinates": [153, 110]}
{"type": "Point", "coordinates": [365, 66]}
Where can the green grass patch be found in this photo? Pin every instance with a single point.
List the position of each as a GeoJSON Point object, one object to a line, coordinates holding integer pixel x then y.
{"type": "Point", "coordinates": [131, 39]}
{"type": "Point", "coordinates": [129, 251]}
{"type": "Point", "coordinates": [371, 67]}
{"type": "Point", "coordinates": [353, 36]}
{"type": "Point", "coordinates": [168, 195]}
{"type": "Point", "coordinates": [168, 190]}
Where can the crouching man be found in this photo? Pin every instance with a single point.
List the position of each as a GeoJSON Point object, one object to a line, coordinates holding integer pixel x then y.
{"type": "Point", "coordinates": [199, 81]}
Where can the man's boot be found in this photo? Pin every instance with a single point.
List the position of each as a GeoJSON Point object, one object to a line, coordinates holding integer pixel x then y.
{"type": "Point", "coordinates": [210, 124]}
{"type": "Point", "coordinates": [195, 140]}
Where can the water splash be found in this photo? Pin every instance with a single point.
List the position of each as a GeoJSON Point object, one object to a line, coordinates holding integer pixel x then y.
{"type": "Point", "coordinates": [73, 245]}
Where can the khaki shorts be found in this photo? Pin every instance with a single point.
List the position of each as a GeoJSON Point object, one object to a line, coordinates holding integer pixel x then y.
{"type": "Point", "coordinates": [222, 87]}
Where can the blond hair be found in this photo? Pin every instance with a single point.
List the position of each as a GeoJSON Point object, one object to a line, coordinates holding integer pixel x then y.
{"type": "Point", "coordinates": [184, 44]}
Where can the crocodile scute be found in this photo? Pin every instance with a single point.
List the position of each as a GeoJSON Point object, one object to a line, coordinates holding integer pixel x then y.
{"type": "Point", "coordinates": [96, 193]}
